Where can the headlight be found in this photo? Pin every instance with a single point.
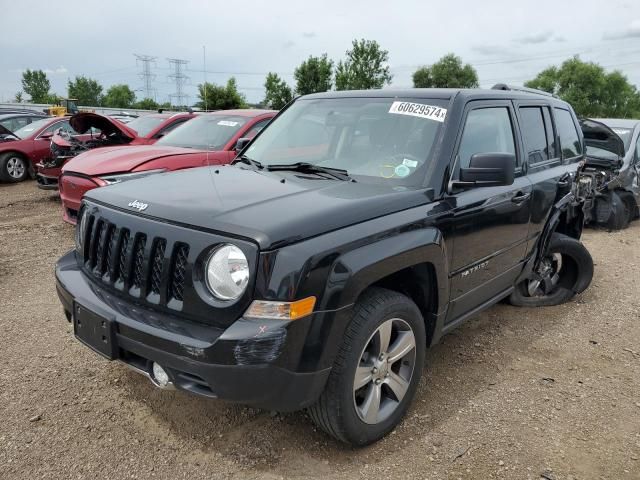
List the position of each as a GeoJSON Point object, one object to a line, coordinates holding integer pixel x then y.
{"type": "Point", "coordinates": [111, 179]}
{"type": "Point", "coordinates": [81, 230]}
{"type": "Point", "coordinates": [227, 272]}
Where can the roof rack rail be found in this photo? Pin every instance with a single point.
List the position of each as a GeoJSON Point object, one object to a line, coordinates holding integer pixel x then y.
{"type": "Point", "coordinates": [504, 86]}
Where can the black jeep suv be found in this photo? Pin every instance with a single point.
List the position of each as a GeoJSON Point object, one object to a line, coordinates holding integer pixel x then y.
{"type": "Point", "coordinates": [349, 236]}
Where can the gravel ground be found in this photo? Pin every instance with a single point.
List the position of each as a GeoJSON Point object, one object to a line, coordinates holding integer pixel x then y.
{"type": "Point", "coordinates": [514, 393]}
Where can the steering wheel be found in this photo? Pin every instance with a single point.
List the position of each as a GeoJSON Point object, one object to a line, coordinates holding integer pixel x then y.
{"type": "Point", "coordinates": [400, 165]}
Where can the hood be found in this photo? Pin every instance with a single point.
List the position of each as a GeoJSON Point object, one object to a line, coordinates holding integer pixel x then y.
{"type": "Point", "coordinates": [121, 159]}
{"type": "Point", "coordinates": [598, 135]}
{"type": "Point", "coordinates": [257, 205]}
{"type": "Point", "coordinates": [82, 122]}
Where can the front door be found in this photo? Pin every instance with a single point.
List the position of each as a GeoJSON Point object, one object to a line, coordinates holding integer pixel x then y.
{"type": "Point", "coordinates": [490, 224]}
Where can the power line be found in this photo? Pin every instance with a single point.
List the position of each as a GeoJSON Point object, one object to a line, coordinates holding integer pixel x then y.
{"type": "Point", "coordinates": [180, 79]}
{"type": "Point", "coordinates": [146, 75]}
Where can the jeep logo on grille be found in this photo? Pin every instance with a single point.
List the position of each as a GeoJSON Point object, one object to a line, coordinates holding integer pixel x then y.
{"type": "Point", "coordinates": [139, 205]}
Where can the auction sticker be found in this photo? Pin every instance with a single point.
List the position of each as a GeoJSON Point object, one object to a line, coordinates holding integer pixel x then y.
{"type": "Point", "coordinates": [419, 110]}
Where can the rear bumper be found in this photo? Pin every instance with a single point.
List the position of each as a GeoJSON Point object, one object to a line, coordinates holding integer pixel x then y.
{"type": "Point", "coordinates": [238, 364]}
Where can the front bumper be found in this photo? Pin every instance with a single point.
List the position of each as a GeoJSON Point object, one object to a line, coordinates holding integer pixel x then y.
{"type": "Point", "coordinates": [47, 178]}
{"type": "Point", "coordinates": [249, 362]}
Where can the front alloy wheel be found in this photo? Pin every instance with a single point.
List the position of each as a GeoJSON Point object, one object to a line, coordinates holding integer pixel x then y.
{"type": "Point", "coordinates": [376, 371]}
{"type": "Point", "coordinates": [384, 372]}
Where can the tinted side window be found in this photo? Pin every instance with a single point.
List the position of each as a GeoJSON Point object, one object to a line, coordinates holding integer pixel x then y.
{"type": "Point", "coordinates": [534, 134]}
{"type": "Point", "coordinates": [569, 139]}
{"type": "Point", "coordinates": [487, 130]}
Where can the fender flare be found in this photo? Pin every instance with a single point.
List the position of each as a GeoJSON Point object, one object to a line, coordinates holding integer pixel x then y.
{"type": "Point", "coordinates": [359, 268]}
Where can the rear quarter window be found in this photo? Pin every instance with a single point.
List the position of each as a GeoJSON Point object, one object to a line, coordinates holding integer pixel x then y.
{"type": "Point", "coordinates": [570, 143]}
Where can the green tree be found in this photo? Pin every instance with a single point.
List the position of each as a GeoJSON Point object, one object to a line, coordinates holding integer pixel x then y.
{"type": "Point", "coordinates": [364, 67]}
{"type": "Point", "coordinates": [277, 92]}
{"type": "Point", "coordinates": [590, 90]}
{"type": "Point", "coordinates": [18, 98]}
{"type": "Point", "coordinates": [145, 104]}
{"type": "Point", "coordinates": [36, 84]}
{"type": "Point", "coordinates": [219, 97]}
{"type": "Point", "coordinates": [313, 75]}
{"type": "Point", "coordinates": [86, 90]}
{"type": "Point", "coordinates": [448, 72]}
{"type": "Point", "coordinates": [119, 96]}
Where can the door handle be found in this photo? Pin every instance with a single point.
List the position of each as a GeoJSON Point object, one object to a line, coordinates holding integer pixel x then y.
{"type": "Point", "coordinates": [520, 197]}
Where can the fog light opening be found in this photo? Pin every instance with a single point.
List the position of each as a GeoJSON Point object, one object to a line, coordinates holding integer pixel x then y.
{"type": "Point", "coordinates": [160, 376]}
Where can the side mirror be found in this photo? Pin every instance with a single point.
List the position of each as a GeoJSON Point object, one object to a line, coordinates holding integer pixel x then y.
{"type": "Point", "coordinates": [488, 170]}
{"type": "Point", "coordinates": [46, 136]}
{"type": "Point", "coordinates": [241, 143]}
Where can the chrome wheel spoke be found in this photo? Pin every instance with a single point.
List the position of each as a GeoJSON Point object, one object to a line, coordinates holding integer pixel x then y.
{"type": "Point", "coordinates": [371, 405]}
{"type": "Point", "coordinates": [363, 376]}
{"type": "Point", "coordinates": [398, 385]}
{"type": "Point", "coordinates": [384, 336]}
{"type": "Point", "coordinates": [404, 343]}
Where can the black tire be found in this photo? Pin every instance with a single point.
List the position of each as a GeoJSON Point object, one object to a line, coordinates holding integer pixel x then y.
{"type": "Point", "coordinates": [336, 411]}
{"type": "Point", "coordinates": [574, 275]}
{"type": "Point", "coordinates": [13, 167]}
{"type": "Point", "coordinates": [619, 218]}
{"type": "Point", "coordinates": [629, 205]}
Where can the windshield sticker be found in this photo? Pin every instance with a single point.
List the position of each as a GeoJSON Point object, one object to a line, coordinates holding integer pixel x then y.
{"type": "Point", "coordinates": [227, 123]}
{"type": "Point", "coordinates": [402, 170]}
{"type": "Point", "coordinates": [419, 110]}
{"type": "Point", "coordinates": [410, 163]}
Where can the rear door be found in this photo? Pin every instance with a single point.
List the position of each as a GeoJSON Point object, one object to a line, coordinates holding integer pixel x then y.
{"type": "Point", "coordinates": [553, 146]}
{"type": "Point", "coordinates": [490, 224]}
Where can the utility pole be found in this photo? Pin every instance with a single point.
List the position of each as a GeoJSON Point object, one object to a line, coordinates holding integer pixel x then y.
{"type": "Point", "coordinates": [180, 79]}
{"type": "Point", "coordinates": [146, 75]}
{"type": "Point", "coordinates": [204, 70]}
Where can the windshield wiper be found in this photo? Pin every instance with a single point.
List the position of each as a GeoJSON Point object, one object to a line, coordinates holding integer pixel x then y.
{"type": "Point", "coordinates": [249, 161]}
{"type": "Point", "coordinates": [305, 167]}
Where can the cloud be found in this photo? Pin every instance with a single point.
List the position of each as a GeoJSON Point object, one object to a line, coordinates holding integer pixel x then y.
{"type": "Point", "coordinates": [559, 39]}
{"type": "Point", "coordinates": [536, 38]}
{"type": "Point", "coordinates": [309, 34]}
{"type": "Point", "coordinates": [492, 50]}
{"type": "Point", "coordinates": [632, 31]}
{"type": "Point", "coordinates": [56, 71]}
{"type": "Point", "coordinates": [288, 44]}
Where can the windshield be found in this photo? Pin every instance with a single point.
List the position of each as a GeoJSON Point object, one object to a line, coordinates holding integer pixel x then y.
{"type": "Point", "coordinates": [381, 140]}
{"type": "Point", "coordinates": [144, 125]}
{"type": "Point", "coordinates": [29, 129]}
{"type": "Point", "coordinates": [207, 132]}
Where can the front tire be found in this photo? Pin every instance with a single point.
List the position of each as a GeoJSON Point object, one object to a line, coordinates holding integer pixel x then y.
{"type": "Point", "coordinates": [377, 369]}
{"type": "Point", "coordinates": [13, 167]}
{"type": "Point", "coordinates": [566, 269]}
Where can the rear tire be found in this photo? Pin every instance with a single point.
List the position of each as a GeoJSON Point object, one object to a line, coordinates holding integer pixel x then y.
{"type": "Point", "coordinates": [569, 269]}
{"type": "Point", "coordinates": [13, 167]}
{"type": "Point", "coordinates": [371, 385]}
{"type": "Point", "coordinates": [619, 218]}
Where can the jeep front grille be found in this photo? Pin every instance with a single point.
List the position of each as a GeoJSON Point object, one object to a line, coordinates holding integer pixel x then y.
{"type": "Point", "coordinates": [136, 264]}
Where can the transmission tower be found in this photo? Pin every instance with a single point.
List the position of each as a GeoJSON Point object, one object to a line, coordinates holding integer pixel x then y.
{"type": "Point", "coordinates": [180, 80]}
{"type": "Point", "coordinates": [146, 75]}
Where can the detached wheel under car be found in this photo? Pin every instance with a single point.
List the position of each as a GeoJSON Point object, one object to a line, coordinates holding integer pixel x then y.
{"type": "Point", "coordinates": [566, 269]}
{"type": "Point", "coordinates": [377, 369]}
{"type": "Point", "coordinates": [13, 167]}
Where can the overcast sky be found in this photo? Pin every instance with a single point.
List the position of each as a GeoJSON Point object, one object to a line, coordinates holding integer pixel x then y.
{"type": "Point", "coordinates": [504, 40]}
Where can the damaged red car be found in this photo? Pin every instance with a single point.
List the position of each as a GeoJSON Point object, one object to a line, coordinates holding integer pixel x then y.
{"type": "Point", "coordinates": [101, 131]}
{"type": "Point", "coordinates": [208, 139]}
{"type": "Point", "coordinates": [23, 148]}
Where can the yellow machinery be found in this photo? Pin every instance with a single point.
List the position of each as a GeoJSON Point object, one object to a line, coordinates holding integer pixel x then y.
{"type": "Point", "coordinates": [65, 106]}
